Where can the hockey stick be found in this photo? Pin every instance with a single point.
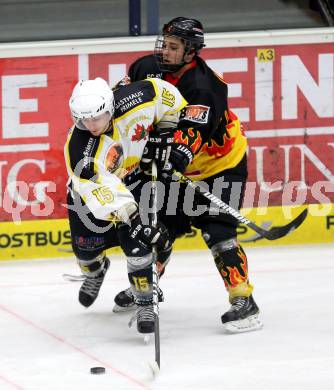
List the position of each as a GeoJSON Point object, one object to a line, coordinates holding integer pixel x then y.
{"type": "Point", "coordinates": [155, 280]}
{"type": "Point", "coordinates": [273, 234]}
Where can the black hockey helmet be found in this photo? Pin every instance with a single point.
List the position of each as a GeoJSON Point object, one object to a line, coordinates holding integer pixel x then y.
{"type": "Point", "coordinates": [187, 29]}
{"type": "Point", "coordinates": [190, 30]}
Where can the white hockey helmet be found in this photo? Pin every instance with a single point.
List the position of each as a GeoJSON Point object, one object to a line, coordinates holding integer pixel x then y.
{"type": "Point", "coordinates": [90, 99]}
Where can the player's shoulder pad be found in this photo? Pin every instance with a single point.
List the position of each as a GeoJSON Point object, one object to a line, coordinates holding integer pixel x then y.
{"type": "Point", "coordinates": [204, 82]}
{"type": "Point", "coordinates": [209, 73]}
{"type": "Point", "coordinates": [143, 68]}
{"type": "Point", "coordinates": [133, 95]}
{"type": "Point", "coordinates": [80, 148]}
{"type": "Point", "coordinates": [164, 87]}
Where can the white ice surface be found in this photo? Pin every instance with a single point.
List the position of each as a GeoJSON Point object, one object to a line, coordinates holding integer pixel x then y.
{"type": "Point", "coordinates": [49, 342]}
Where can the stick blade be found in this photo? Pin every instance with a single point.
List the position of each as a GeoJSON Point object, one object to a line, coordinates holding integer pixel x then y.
{"type": "Point", "coordinates": [282, 231]}
{"type": "Point", "coordinates": [155, 368]}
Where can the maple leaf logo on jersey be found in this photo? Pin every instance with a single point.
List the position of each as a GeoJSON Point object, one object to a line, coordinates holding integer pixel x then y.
{"type": "Point", "coordinates": [141, 132]}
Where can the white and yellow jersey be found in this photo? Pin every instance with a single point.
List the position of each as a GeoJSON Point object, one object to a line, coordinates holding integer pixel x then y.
{"type": "Point", "coordinates": [98, 165]}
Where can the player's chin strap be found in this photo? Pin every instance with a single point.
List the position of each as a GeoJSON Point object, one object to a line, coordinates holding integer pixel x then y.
{"type": "Point", "coordinates": [155, 279]}
{"type": "Point", "coordinates": [272, 234]}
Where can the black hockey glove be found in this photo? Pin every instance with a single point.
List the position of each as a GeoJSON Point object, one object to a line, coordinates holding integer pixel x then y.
{"type": "Point", "coordinates": [180, 157]}
{"type": "Point", "coordinates": [158, 148]}
{"type": "Point", "coordinates": [167, 154]}
{"type": "Point", "coordinates": [147, 235]}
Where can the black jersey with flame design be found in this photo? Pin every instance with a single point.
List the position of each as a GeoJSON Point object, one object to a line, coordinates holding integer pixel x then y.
{"type": "Point", "coordinates": [213, 132]}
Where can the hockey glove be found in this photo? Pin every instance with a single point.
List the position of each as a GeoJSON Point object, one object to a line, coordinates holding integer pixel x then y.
{"type": "Point", "coordinates": [148, 235]}
{"type": "Point", "coordinates": [158, 148]}
{"type": "Point", "coordinates": [180, 157]}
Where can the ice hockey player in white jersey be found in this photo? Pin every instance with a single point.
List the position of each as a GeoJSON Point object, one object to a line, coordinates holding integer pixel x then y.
{"type": "Point", "coordinates": [104, 146]}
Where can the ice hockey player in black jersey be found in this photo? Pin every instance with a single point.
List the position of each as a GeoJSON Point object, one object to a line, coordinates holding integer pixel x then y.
{"type": "Point", "coordinates": [216, 138]}
{"type": "Point", "coordinates": [104, 147]}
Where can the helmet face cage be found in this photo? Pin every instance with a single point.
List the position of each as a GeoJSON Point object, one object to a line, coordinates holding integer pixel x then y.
{"type": "Point", "coordinates": [190, 31]}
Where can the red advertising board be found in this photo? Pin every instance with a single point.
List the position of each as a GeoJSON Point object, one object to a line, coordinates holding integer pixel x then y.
{"type": "Point", "coordinates": [283, 94]}
{"type": "Point", "coordinates": [34, 120]}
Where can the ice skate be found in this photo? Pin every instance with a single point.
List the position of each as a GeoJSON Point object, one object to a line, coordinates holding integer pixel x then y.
{"type": "Point", "coordinates": [124, 300]}
{"type": "Point", "coordinates": [242, 316]}
{"type": "Point", "coordinates": [91, 286]}
{"type": "Point", "coordinates": [145, 320]}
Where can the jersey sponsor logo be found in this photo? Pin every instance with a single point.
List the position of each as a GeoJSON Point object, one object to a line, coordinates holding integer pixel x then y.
{"type": "Point", "coordinates": [130, 101]}
{"type": "Point", "coordinates": [92, 242]}
{"type": "Point", "coordinates": [132, 122]}
{"type": "Point", "coordinates": [154, 75]}
{"type": "Point", "coordinates": [167, 98]}
{"type": "Point", "coordinates": [113, 158]}
{"type": "Point", "coordinates": [195, 113]}
{"type": "Point", "coordinates": [88, 151]}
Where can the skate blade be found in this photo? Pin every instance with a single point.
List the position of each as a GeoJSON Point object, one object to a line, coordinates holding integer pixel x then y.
{"type": "Point", "coordinates": [248, 324]}
{"type": "Point", "coordinates": [123, 309]}
{"type": "Point", "coordinates": [74, 278]}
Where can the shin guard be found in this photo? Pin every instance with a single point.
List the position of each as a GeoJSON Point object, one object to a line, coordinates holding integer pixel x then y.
{"type": "Point", "coordinates": [140, 278]}
{"type": "Point", "coordinates": [92, 267]}
{"type": "Point", "coordinates": [231, 262]}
